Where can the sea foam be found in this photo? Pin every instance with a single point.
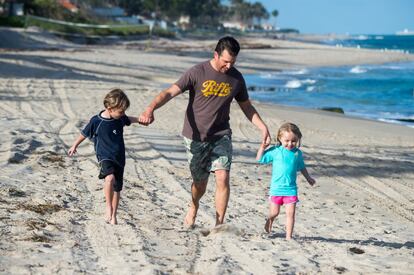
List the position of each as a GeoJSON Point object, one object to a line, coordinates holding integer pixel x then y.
{"type": "Point", "coordinates": [357, 70]}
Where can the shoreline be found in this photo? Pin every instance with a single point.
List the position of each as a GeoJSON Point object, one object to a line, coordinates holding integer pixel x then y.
{"type": "Point", "coordinates": [398, 122]}
{"type": "Point", "coordinates": [358, 217]}
{"type": "Point", "coordinates": [290, 75]}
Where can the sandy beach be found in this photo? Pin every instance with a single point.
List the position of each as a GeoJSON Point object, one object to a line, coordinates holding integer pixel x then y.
{"type": "Point", "coordinates": [357, 219]}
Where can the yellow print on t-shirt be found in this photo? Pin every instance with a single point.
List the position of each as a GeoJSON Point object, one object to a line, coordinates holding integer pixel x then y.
{"type": "Point", "coordinates": [212, 88]}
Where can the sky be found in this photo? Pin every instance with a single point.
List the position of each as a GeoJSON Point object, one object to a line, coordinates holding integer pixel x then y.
{"type": "Point", "coordinates": [343, 16]}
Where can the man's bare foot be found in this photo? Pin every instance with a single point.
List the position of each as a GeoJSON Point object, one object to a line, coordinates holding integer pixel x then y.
{"type": "Point", "coordinates": [268, 225]}
{"type": "Point", "coordinates": [114, 220]}
{"type": "Point", "coordinates": [289, 238]}
{"type": "Point", "coordinates": [189, 220]}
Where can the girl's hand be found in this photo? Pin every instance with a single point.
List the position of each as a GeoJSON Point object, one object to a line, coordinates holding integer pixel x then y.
{"type": "Point", "coordinates": [311, 181]}
{"type": "Point", "coordinates": [260, 151]}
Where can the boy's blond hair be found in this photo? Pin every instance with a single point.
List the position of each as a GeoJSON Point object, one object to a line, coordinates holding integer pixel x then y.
{"type": "Point", "coordinates": [116, 99]}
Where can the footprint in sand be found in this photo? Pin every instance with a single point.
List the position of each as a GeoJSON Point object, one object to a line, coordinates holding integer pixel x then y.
{"type": "Point", "coordinates": [356, 250]}
{"type": "Point", "coordinates": [222, 229]}
{"type": "Point", "coordinates": [340, 269]}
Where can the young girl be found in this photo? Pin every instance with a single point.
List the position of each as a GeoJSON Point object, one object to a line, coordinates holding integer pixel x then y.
{"type": "Point", "coordinates": [286, 159]}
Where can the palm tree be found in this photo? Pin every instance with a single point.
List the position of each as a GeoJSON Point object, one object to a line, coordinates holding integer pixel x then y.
{"type": "Point", "coordinates": [275, 13]}
{"type": "Point", "coordinates": [259, 12]}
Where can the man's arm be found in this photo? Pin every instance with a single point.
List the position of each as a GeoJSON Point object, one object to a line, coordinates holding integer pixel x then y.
{"type": "Point", "coordinates": [147, 117]}
{"type": "Point", "coordinates": [254, 117]}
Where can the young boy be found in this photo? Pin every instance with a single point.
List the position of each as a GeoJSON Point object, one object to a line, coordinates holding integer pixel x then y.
{"type": "Point", "coordinates": [106, 132]}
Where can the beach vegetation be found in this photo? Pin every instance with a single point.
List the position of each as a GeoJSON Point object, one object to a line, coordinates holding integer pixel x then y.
{"type": "Point", "coordinates": [288, 30]}
{"type": "Point", "coordinates": [12, 21]}
{"type": "Point", "coordinates": [162, 18]}
{"type": "Point", "coordinates": [13, 192]}
{"type": "Point", "coordinates": [52, 9]}
{"type": "Point", "coordinates": [37, 224]}
{"type": "Point", "coordinates": [247, 12]}
{"type": "Point", "coordinates": [51, 157]}
{"type": "Point", "coordinates": [47, 208]}
{"type": "Point", "coordinates": [46, 8]}
{"type": "Point", "coordinates": [39, 238]}
{"type": "Point", "coordinates": [89, 29]}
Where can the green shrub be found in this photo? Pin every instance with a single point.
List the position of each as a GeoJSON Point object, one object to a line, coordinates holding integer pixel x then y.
{"type": "Point", "coordinates": [87, 29]}
{"type": "Point", "coordinates": [12, 21]}
{"type": "Point", "coordinates": [163, 32]}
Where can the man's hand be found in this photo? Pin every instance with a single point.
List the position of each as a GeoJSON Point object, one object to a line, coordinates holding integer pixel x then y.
{"type": "Point", "coordinates": [146, 118]}
{"type": "Point", "coordinates": [252, 115]}
{"type": "Point", "coordinates": [266, 139]}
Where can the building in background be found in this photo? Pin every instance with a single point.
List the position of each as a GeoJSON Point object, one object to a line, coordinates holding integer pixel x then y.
{"type": "Point", "coordinates": [12, 8]}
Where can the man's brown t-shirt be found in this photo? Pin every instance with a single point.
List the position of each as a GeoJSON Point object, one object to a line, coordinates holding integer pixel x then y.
{"type": "Point", "coordinates": [211, 93]}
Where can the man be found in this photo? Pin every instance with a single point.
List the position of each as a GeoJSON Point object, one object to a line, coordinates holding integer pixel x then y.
{"type": "Point", "coordinates": [207, 135]}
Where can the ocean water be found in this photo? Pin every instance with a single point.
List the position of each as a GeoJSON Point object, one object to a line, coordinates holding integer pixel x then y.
{"type": "Point", "coordinates": [378, 92]}
{"type": "Point", "coordinates": [402, 43]}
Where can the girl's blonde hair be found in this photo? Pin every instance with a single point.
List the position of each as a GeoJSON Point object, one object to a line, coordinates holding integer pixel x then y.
{"type": "Point", "coordinates": [289, 127]}
{"type": "Point", "coordinates": [116, 99]}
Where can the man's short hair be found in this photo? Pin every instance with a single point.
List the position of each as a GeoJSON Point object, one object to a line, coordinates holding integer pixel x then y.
{"type": "Point", "coordinates": [228, 43]}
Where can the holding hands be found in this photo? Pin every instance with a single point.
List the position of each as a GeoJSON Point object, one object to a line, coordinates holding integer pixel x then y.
{"type": "Point", "coordinates": [266, 139]}
{"type": "Point", "coordinates": [146, 117]}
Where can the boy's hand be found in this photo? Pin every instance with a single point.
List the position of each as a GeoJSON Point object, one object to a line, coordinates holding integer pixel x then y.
{"type": "Point", "coordinates": [75, 145]}
{"type": "Point", "coordinates": [72, 151]}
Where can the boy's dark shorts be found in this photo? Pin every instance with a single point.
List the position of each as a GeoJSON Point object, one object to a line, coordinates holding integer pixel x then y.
{"type": "Point", "coordinates": [109, 167]}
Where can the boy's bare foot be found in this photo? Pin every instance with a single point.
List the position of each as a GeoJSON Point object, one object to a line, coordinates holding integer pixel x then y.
{"type": "Point", "coordinates": [189, 220]}
{"type": "Point", "coordinates": [268, 225]}
{"type": "Point", "coordinates": [108, 215]}
{"type": "Point", "coordinates": [114, 220]}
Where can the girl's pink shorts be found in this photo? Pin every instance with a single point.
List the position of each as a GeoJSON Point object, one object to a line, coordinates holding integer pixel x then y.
{"type": "Point", "coordinates": [281, 200]}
